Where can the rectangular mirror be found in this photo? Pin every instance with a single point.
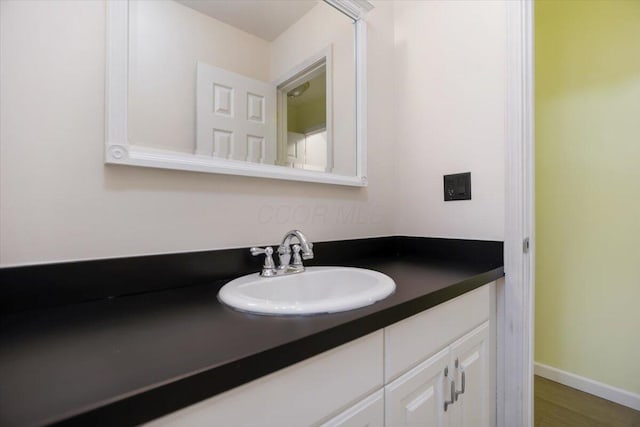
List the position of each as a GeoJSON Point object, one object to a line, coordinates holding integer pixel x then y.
{"type": "Point", "coordinates": [261, 88]}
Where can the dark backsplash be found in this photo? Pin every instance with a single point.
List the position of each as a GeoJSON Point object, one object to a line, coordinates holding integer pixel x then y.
{"type": "Point", "coordinates": [49, 285]}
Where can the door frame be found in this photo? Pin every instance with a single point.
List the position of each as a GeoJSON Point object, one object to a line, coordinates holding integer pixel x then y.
{"type": "Point", "coordinates": [302, 72]}
{"type": "Point", "coordinates": [515, 299]}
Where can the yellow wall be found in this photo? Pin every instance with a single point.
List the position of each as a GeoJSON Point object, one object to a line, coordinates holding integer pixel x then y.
{"type": "Point", "coordinates": [308, 116]}
{"type": "Point", "coordinates": [588, 189]}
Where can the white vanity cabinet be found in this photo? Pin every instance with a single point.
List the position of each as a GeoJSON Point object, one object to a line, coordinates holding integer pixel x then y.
{"type": "Point", "coordinates": [416, 398]}
{"type": "Point", "coordinates": [399, 376]}
{"type": "Point", "coordinates": [308, 393]}
{"type": "Point", "coordinates": [434, 393]}
{"type": "Point", "coordinates": [442, 364]}
{"type": "Point", "coordinates": [472, 366]}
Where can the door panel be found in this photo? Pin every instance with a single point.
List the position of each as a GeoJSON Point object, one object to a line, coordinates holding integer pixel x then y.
{"type": "Point", "coordinates": [235, 116]}
{"type": "Point", "coordinates": [471, 352]}
{"type": "Point", "coordinates": [416, 398]}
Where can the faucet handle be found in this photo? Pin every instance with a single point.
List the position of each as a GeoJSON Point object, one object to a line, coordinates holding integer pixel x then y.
{"type": "Point", "coordinates": [269, 267]}
{"type": "Point", "coordinates": [297, 260]}
{"type": "Point", "coordinates": [259, 251]}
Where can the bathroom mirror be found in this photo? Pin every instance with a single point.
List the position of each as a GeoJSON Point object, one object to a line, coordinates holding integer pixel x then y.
{"type": "Point", "coordinates": [272, 89]}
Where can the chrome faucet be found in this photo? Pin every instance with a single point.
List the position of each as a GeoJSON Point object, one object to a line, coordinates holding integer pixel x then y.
{"type": "Point", "coordinates": [284, 250]}
{"type": "Point", "coordinates": [302, 250]}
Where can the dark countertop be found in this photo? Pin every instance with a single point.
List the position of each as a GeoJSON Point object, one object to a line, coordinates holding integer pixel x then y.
{"type": "Point", "coordinates": [123, 361]}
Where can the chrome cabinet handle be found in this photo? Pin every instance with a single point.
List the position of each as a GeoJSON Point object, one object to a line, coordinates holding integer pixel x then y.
{"type": "Point", "coordinates": [453, 390]}
{"type": "Point", "coordinates": [461, 368]}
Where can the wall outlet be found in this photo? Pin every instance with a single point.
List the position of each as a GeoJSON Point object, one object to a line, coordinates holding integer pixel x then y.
{"type": "Point", "coordinates": [457, 186]}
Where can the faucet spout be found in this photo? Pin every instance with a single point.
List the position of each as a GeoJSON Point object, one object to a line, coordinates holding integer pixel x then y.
{"type": "Point", "coordinates": [305, 246]}
{"type": "Point", "coordinates": [284, 251]}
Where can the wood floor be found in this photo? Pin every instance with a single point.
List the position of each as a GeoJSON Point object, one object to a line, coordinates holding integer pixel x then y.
{"type": "Point", "coordinates": [557, 405]}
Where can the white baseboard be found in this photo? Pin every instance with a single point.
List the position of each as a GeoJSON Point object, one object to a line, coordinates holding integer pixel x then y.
{"type": "Point", "coordinates": [605, 391]}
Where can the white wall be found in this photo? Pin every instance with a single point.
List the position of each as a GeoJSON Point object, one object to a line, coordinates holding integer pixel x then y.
{"type": "Point", "coordinates": [449, 105]}
{"type": "Point", "coordinates": [58, 201]}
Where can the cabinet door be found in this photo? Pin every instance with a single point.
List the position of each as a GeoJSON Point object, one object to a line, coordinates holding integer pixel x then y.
{"type": "Point", "coordinates": [366, 413]}
{"type": "Point", "coordinates": [471, 356]}
{"type": "Point", "coordinates": [416, 398]}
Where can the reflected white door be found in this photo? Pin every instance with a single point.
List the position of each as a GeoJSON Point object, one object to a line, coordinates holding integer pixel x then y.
{"type": "Point", "coordinates": [235, 116]}
{"type": "Point", "coordinates": [296, 149]}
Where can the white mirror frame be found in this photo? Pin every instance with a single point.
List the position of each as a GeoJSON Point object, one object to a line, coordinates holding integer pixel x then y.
{"type": "Point", "coordinates": [118, 149]}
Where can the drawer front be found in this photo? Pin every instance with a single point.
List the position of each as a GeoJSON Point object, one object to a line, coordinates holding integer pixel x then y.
{"type": "Point", "coordinates": [369, 412]}
{"type": "Point", "coordinates": [301, 395]}
{"type": "Point", "coordinates": [410, 341]}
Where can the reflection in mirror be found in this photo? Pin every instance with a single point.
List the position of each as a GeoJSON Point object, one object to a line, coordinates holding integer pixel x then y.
{"type": "Point", "coordinates": [266, 82]}
{"type": "Point", "coordinates": [306, 119]}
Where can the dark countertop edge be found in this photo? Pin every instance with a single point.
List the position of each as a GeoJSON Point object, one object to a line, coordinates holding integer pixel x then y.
{"type": "Point", "coordinates": [144, 405]}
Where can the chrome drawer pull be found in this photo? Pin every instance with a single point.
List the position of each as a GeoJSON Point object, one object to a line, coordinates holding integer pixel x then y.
{"type": "Point", "coordinates": [461, 368]}
{"type": "Point", "coordinates": [453, 390]}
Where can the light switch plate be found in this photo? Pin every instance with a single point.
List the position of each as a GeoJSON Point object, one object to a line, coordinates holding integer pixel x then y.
{"type": "Point", "coordinates": [457, 187]}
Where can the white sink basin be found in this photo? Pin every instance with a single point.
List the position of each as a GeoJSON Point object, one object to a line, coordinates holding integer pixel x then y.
{"type": "Point", "coordinates": [316, 290]}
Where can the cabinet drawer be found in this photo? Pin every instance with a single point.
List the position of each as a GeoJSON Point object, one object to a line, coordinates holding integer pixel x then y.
{"type": "Point", "coordinates": [413, 340]}
{"type": "Point", "coordinates": [369, 412]}
{"type": "Point", "coordinates": [301, 395]}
